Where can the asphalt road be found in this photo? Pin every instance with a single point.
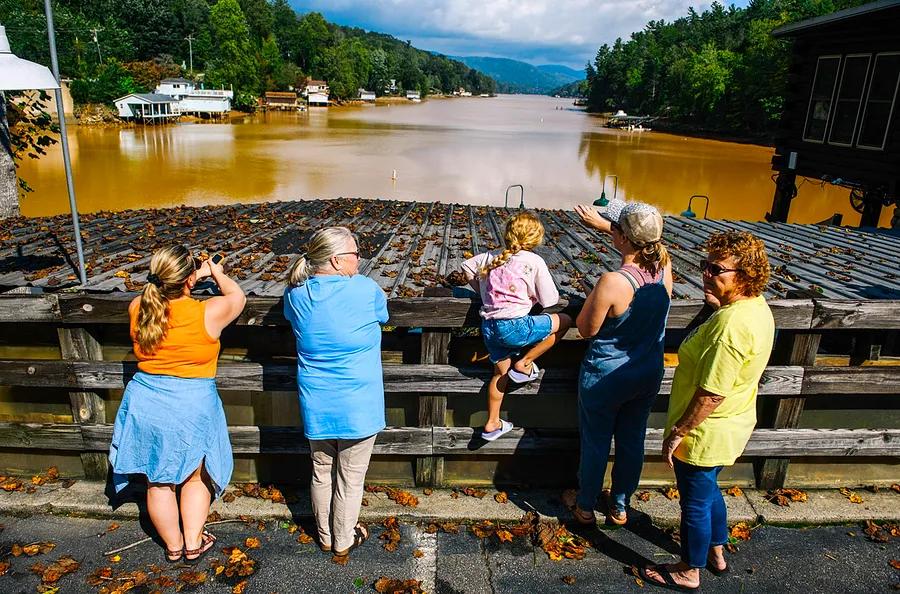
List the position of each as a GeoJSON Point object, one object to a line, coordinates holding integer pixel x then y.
{"type": "Point", "coordinates": [823, 559]}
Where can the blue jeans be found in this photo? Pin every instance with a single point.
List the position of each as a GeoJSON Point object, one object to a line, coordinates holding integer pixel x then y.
{"type": "Point", "coordinates": [703, 520]}
{"type": "Point", "coordinates": [602, 415]}
{"type": "Point", "coordinates": [506, 338]}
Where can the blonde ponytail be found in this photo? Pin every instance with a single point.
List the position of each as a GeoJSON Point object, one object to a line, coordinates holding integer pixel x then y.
{"type": "Point", "coordinates": [323, 245]}
{"type": "Point", "coordinates": [523, 232]}
{"type": "Point", "coordinates": [652, 257]}
{"type": "Point", "coordinates": [170, 268]}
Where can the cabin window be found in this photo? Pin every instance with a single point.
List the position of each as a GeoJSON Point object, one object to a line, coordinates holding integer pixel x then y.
{"type": "Point", "coordinates": [880, 102]}
{"type": "Point", "coordinates": [849, 99]}
{"type": "Point", "coordinates": [820, 99]}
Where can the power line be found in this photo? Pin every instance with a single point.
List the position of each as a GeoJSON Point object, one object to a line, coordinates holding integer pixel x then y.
{"type": "Point", "coordinates": [94, 33]}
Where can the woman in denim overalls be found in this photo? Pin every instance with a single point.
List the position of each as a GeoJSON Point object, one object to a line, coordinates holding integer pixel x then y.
{"type": "Point", "coordinates": [624, 319]}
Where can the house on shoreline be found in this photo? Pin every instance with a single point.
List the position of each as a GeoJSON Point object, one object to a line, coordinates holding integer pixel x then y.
{"type": "Point", "coordinates": [200, 102]}
{"type": "Point", "coordinates": [316, 93]}
{"type": "Point", "coordinates": [147, 107]}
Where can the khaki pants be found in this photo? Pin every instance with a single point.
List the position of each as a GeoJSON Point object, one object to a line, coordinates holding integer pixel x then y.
{"type": "Point", "coordinates": [339, 472]}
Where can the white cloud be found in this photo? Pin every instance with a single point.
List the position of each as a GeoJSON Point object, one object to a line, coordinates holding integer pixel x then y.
{"type": "Point", "coordinates": [538, 31]}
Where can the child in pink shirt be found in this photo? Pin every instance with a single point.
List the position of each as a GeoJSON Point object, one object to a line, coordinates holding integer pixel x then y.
{"type": "Point", "coordinates": [511, 282]}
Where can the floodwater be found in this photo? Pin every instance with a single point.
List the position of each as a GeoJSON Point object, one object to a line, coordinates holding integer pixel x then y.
{"type": "Point", "coordinates": [465, 150]}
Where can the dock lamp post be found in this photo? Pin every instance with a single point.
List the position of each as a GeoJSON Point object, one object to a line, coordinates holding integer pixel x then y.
{"type": "Point", "coordinates": [17, 74]}
{"type": "Point", "coordinates": [690, 213]}
{"type": "Point", "coordinates": [602, 200]}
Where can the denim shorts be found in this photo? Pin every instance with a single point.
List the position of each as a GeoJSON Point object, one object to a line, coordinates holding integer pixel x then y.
{"type": "Point", "coordinates": [505, 338]}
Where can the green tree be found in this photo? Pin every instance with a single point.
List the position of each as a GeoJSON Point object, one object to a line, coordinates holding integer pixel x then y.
{"type": "Point", "coordinates": [269, 63]}
{"type": "Point", "coordinates": [110, 82]}
{"type": "Point", "coordinates": [313, 38]}
{"type": "Point", "coordinates": [233, 62]}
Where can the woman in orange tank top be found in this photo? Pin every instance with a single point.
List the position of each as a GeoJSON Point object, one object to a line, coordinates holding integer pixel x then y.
{"type": "Point", "coordinates": [171, 426]}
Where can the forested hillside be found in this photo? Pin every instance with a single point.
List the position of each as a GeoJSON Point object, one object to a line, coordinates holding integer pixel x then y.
{"type": "Point", "coordinates": [110, 48]}
{"type": "Point", "coordinates": [716, 70]}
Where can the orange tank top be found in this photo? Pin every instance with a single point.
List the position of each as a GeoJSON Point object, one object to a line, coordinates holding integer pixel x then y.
{"type": "Point", "coordinates": [187, 350]}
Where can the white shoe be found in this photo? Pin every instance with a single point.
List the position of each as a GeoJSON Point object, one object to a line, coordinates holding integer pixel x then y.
{"type": "Point", "coordinates": [505, 427]}
{"type": "Point", "coordinates": [518, 377]}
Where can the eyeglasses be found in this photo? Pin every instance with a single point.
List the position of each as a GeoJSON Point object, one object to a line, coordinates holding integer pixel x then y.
{"type": "Point", "coordinates": [715, 269]}
{"type": "Point", "coordinates": [348, 253]}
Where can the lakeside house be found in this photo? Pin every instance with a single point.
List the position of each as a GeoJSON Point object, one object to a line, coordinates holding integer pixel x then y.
{"type": "Point", "coordinates": [281, 100]}
{"type": "Point", "coordinates": [188, 99]}
{"type": "Point", "coordinates": [146, 107]}
{"type": "Point", "coordinates": [413, 95]}
{"type": "Point", "coordinates": [365, 95]}
{"type": "Point", "coordinates": [316, 93]}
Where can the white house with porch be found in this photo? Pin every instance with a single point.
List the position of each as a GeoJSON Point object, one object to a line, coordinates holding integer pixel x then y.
{"type": "Point", "coordinates": [191, 100]}
{"type": "Point", "coordinates": [365, 95]}
{"type": "Point", "coordinates": [176, 87]}
{"type": "Point", "coordinates": [147, 107]}
{"type": "Point", "coordinates": [413, 95]}
{"type": "Point", "coordinates": [316, 92]}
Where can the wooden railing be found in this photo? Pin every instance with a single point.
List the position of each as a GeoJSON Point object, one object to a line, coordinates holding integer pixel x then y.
{"type": "Point", "coordinates": [786, 385]}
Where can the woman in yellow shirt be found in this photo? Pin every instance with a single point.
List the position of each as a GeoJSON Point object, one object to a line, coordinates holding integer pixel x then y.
{"type": "Point", "coordinates": [712, 408]}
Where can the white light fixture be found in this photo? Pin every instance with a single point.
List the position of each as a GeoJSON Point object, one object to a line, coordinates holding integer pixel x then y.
{"type": "Point", "coordinates": [17, 74]}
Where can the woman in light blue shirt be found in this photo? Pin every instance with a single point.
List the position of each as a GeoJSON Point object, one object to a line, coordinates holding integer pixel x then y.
{"type": "Point", "coordinates": [336, 315]}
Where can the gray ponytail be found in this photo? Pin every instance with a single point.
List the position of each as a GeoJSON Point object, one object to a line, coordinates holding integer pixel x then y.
{"type": "Point", "coordinates": [324, 244]}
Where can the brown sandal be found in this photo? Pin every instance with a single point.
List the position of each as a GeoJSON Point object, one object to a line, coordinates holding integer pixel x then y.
{"type": "Point", "coordinates": [361, 533]}
{"type": "Point", "coordinates": [207, 541]}
{"type": "Point", "coordinates": [170, 555]}
{"type": "Point", "coordinates": [585, 518]}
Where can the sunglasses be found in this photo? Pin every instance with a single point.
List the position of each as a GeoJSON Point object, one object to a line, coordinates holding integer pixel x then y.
{"type": "Point", "coordinates": [714, 269]}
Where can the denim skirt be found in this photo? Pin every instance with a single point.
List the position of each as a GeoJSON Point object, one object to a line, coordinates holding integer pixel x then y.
{"type": "Point", "coordinates": [166, 426]}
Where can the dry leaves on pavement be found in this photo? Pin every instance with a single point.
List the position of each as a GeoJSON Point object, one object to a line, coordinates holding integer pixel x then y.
{"type": "Point", "coordinates": [255, 491]}
{"type": "Point", "coordinates": [238, 564]}
{"type": "Point", "coordinates": [853, 497]}
{"type": "Point", "coordinates": [568, 580]}
{"type": "Point", "coordinates": [881, 532]}
{"type": "Point", "coordinates": [398, 496]}
{"type": "Point", "coordinates": [501, 497]}
{"type": "Point", "coordinates": [51, 574]}
{"type": "Point", "coordinates": [784, 497]}
{"type": "Point", "coordinates": [556, 540]}
{"type": "Point", "coordinates": [735, 491]}
{"type": "Point", "coordinates": [251, 542]}
{"type": "Point", "coordinates": [896, 488]}
{"type": "Point", "coordinates": [386, 585]}
{"type": "Point", "coordinates": [895, 563]}
{"type": "Point", "coordinates": [4, 567]}
{"type": "Point", "coordinates": [670, 493]}
{"type": "Point", "coordinates": [471, 492]}
{"type": "Point", "coordinates": [740, 531]}
{"type": "Point", "coordinates": [391, 534]}
{"type": "Point", "coordinates": [445, 527]}
{"type": "Point", "coordinates": [644, 496]}
{"type": "Point", "coordinates": [32, 549]}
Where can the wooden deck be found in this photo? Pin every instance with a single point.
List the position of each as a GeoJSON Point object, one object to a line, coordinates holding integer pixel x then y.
{"type": "Point", "coordinates": [409, 246]}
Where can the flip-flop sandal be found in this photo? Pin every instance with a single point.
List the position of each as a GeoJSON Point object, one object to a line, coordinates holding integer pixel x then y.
{"type": "Point", "coordinates": [505, 427]}
{"type": "Point", "coordinates": [715, 570]}
{"type": "Point", "coordinates": [517, 377]}
{"type": "Point", "coordinates": [668, 582]}
{"type": "Point", "coordinates": [169, 555]}
{"type": "Point", "coordinates": [207, 542]}
{"type": "Point", "coordinates": [361, 534]}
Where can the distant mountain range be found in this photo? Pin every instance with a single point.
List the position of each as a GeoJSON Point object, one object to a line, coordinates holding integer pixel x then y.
{"type": "Point", "coordinates": [514, 76]}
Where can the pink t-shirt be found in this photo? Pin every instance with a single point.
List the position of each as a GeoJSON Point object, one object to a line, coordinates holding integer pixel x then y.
{"type": "Point", "coordinates": [511, 290]}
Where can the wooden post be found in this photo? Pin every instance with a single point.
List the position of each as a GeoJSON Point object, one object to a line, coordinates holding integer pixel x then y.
{"type": "Point", "coordinates": [433, 407]}
{"type": "Point", "coordinates": [88, 408]}
{"type": "Point", "coordinates": [803, 349]}
{"type": "Point", "coordinates": [785, 190]}
{"type": "Point", "coordinates": [866, 347]}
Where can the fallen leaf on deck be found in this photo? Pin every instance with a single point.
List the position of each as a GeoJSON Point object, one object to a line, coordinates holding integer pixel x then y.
{"type": "Point", "coordinates": [501, 497]}
{"type": "Point", "coordinates": [473, 492]}
{"type": "Point", "coordinates": [239, 587]}
{"type": "Point", "coordinates": [483, 529]}
{"type": "Point", "coordinates": [228, 497]}
{"type": "Point", "coordinates": [670, 493]}
{"type": "Point", "coordinates": [304, 538]}
{"type": "Point", "coordinates": [51, 573]}
{"type": "Point", "coordinates": [427, 492]}
{"type": "Point", "coordinates": [4, 567]}
{"type": "Point", "coordinates": [644, 496]}
{"type": "Point", "coordinates": [784, 497]}
{"type": "Point", "coordinates": [213, 517]}
{"type": "Point", "coordinates": [115, 558]}
{"type": "Point", "coordinates": [340, 559]}
{"type": "Point", "coordinates": [364, 502]}
{"type": "Point", "coordinates": [504, 536]}
{"type": "Point", "coordinates": [418, 554]}
{"type": "Point", "coordinates": [399, 496]}
{"type": "Point", "coordinates": [192, 578]}
{"type": "Point", "coordinates": [569, 580]}
{"type": "Point", "coordinates": [895, 563]}
{"type": "Point", "coordinates": [251, 542]}
{"type": "Point", "coordinates": [896, 488]}
{"type": "Point", "coordinates": [735, 491]}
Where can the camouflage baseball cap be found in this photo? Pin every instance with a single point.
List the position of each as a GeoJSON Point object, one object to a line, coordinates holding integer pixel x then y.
{"type": "Point", "coordinates": [641, 223]}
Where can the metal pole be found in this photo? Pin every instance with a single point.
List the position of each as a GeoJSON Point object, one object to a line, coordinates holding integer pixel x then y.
{"type": "Point", "coordinates": [67, 163]}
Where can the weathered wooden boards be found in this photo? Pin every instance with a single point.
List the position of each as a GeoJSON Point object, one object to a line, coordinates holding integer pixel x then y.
{"type": "Point", "coordinates": [440, 441]}
{"type": "Point", "coordinates": [447, 312]}
{"type": "Point", "coordinates": [407, 246]}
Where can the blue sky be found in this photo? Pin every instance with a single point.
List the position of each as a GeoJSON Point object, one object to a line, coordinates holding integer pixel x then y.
{"type": "Point", "coordinates": [537, 31]}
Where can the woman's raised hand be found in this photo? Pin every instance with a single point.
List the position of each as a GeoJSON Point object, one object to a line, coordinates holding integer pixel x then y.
{"type": "Point", "coordinates": [590, 216]}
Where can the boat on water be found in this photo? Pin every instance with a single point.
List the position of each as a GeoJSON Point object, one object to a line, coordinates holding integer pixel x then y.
{"type": "Point", "coordinates": [580, 102]}
{"type": "Point", "coordinates": [622, 120]}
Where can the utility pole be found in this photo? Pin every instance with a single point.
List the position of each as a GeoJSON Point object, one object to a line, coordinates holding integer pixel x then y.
{"type": "Point", "coordinates": [97, 43]}
{"type": "Point", "coordinates": [190, 40]}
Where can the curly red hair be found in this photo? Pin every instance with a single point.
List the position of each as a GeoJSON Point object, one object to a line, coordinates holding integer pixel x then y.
{"type": "Point", "coordinates": [749, 253]}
